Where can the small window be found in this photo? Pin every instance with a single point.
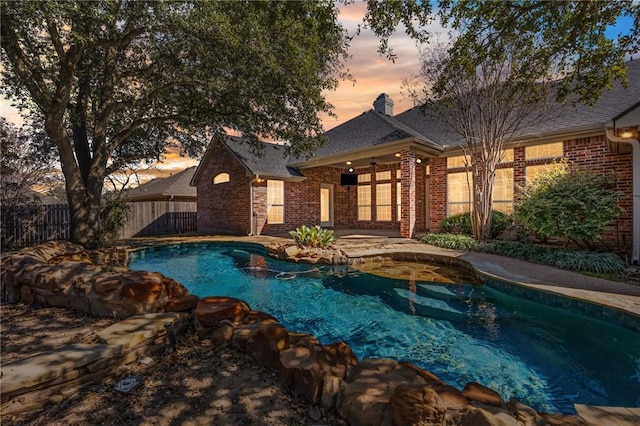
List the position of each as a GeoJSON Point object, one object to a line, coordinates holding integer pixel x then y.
{"type": "Point", "coordinates": [548, 150]}
{"type": "Point", "coordinates": [383, 175]}
{"type": "Point", "coordinates": [364, 177]}
{"type": "Point", "coordinates": [399, 174]}
{"type": "Point", "coordinates": [458, 162]}
{"type": "Point", "coordinates": [221, 178]}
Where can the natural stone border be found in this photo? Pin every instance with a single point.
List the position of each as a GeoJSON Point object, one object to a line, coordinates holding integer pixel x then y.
{"type": "Point", "coordinates": [365, 392]}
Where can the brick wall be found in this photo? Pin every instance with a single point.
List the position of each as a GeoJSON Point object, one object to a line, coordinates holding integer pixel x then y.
{"type": "Point", "coordinates": [223, 207]}
{"type": "Point", "coordinates": [591, 152]}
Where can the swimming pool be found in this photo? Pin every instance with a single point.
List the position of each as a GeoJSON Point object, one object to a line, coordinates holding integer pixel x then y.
{"type": "Point", "coordinates": [547, 357]}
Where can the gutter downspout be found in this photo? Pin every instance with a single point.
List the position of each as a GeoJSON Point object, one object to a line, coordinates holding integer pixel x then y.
{"type": "Point", "coordinates": [635, 218]}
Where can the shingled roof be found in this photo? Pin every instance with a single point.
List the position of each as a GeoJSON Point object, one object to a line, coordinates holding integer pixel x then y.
{"type": "Point", "coordinates": [567, 119]}
{"type": "Point", "coordinates": [270, 161]}
{"type": "Point", "coordinates": [369, 129]}
{"type": "Point", "coordinates": [172, 187]}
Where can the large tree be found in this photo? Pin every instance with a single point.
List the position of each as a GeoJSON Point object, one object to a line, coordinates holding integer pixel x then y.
{"type": "Point", "coordinates": [117, 82]}
{"type": "Point", "coordinates": [495, 77]}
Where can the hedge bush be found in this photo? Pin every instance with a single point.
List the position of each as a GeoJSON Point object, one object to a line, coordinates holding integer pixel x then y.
{"type": "Point", "coordinates": [581, 261]}
{"type": "Point", "coordinates": [461, 224]}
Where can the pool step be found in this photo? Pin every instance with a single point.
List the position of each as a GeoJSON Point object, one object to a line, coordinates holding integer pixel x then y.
{"type": "Point", "coordinates": [430, 307]}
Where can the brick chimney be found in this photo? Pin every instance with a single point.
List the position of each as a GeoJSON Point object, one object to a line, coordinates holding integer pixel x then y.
{"type": "Point", "coordinates": [383, 104]}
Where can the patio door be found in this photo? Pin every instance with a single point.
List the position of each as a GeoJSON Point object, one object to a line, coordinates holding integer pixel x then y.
{"type": "Point", "coordinates": [326, 205]}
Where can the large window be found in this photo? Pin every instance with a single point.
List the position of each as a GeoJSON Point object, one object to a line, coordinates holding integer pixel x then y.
{"type": "Point", "coordinates": [275, 201]}
{"type": "Point", "coordinates": [364, 202]}
{"type": "Point", "coordinates": [548, 150]}
{"type": "Point", "coordinates": [383, 201]}
{"type": "Point", "coordinates": [503, 191]}
{"type": "Point", "coordinates": [458, 193]}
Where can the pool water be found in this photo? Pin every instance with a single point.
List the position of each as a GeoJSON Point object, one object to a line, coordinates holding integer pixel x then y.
{"type": "Point", "coordinates": [546, 357]}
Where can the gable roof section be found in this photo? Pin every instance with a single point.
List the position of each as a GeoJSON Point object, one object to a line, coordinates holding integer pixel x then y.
{"type": "Point", "coordinates": [370, 129]}
{"type": "Point", "coordinates": [176, 185]}
{"type": "Point", "coordinates": [272, 162]}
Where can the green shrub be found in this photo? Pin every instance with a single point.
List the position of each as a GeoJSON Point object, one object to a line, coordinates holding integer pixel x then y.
{"type": "Point", "coordinates": [461, 224]}
{"type": "Point", "coordinates": [557, 257]}
{"type": "Point", "coordinates": [457, 224]}
{"type": "Point", "coordinates": [313, 236]}
{"type": "Point", "coordinates": [573, 204]}
{"type": "Point", "coordinates": [113, 217]}
{"type": "Point", "coordinates": [451, 241]}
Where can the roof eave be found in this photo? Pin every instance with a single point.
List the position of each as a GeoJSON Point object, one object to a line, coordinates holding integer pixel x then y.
{"type": "Point", "coordinates": [419, 145]}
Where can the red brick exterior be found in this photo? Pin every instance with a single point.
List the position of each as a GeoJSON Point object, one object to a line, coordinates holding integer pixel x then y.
{"type": "Point", "coordinates": [223, 207]}
{"type": "Point", "coordinates": [226, 207]}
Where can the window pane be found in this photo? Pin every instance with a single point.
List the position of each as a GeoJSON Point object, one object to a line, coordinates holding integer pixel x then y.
{"type": "Point", "coordinates": [503, 190]}
{"type": "Point", "coordinates": [383, 175]}
{"type": "Point", "coordinates": [399, 200]}
{"type": "Point", "coordinates": [365, 177]}
{"type": "Point", "coordinates": [383, 201]}
{"type": "Point", "coordinates": [398, 174]}
{"type": "Point", "coordinates": [364, 202]}
{"type": "Point", "coordinates": [324, 204]}
{"type": "Point", "coordinates": [275, 201]}
{"type": "Point", "coordinates": [549, 150]}
{"type": "Point", "coordinates": [221, 178]}
{"type": "Point", "coordinates": [507, 156]}
{"type": "Point", "coordinates": [458, 193]}
{"type": "Point", "coordinates": [458, 161]}
{"type": "Point", "coordinates": [532, 172]}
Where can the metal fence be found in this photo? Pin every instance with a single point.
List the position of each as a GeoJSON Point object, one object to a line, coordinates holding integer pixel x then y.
{"type": "Point", "coordinates": [28, 227]}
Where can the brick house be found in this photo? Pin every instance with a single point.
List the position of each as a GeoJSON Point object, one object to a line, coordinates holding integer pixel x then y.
{"type": "Point", "coordinates": [405, 173]}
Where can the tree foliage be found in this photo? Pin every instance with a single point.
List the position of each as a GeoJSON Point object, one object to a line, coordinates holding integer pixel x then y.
{"type": "Point", "coordinates": [569, 203]}
{"type": "Point", "coordinates": [568, 38]}
{"type": "Point", "coordinates": [117, 82]}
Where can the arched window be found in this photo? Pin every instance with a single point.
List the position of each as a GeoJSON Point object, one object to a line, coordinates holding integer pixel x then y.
{"type": "Point", "coordinates": [221, 178]}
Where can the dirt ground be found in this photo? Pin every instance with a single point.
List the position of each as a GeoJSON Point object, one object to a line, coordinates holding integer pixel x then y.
{"type": "Point", "coordinates": [202, 385]}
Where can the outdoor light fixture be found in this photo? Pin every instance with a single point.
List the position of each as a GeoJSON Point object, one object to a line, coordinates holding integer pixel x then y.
{"type": "Point", "coordinates": [398, 155]}
{"type": "Point", "coordinates": [625, 133]}
{"type": "Point", "coordinates": [348, 163]}
{"type": "Point", "coordinates": [418, 160]}
{"type": "Point", "coordinates": [350, 169]}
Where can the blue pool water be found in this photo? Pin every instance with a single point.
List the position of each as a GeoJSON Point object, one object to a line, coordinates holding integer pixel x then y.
{"type": "Point", "coordinates": [546, 357]}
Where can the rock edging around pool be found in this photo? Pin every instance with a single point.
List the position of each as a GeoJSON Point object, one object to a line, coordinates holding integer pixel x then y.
{"type": "Point", "coordinates": [364, 392]}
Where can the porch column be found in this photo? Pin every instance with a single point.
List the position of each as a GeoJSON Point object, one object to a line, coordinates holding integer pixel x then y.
{"type": "Point", "coordinates": [408, 196]}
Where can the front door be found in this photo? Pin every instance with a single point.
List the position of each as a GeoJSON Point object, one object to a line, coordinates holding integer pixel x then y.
{"type": "Point", "coordinates": [326, 205]}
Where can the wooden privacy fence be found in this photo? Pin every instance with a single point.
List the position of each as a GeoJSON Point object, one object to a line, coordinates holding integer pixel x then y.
{"type": "Point", "coordinates": [27, 227]}
{"type": "Point", "coordinates": [148, 218]}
